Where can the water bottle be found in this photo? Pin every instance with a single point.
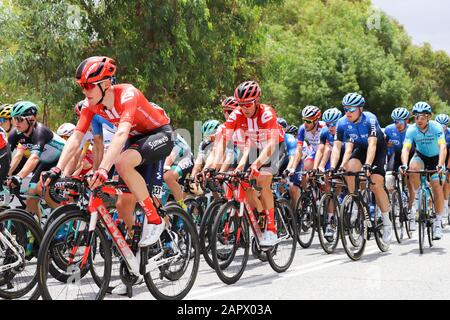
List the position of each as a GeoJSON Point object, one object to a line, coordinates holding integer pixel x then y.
{"type": "Point", "coordinates": [372, 212]}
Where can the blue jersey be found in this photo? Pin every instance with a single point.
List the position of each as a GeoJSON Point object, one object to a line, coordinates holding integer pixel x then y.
{"type": "Point", "coordinates": [358, 133]}
{"type": "Point", "coordinates": [427, 143]}
{"type": "Point", "coordinates": [395, 137]}
{"type": "Point", "coordinates": [326, 136]}
{"type": "Point", "coordinates": [291, 144]}
{"type": "Point", "coordinates": [97, 125]}
{"type": "Point", "coordinates": [447, 137]}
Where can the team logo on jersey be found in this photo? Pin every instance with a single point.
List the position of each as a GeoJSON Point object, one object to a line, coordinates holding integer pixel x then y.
{"type": "Point", "coordinates": [127, 96]}
{"type": "Point", "coordinates": [353, 137]}
{"type": "Point", "coordinates": [232, 117]}
{"type": "Point", "coordinates": [266, 116]}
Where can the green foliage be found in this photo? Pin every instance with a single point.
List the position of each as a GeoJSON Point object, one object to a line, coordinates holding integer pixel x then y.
{"type": "Point", "coordinates": [186, 55]}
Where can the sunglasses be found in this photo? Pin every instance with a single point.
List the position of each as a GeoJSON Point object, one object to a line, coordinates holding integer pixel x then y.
{"type": "Point", "coordinates": [20, 119]}
{"type": "Point", "coordinates": [399, 121]}
{"type": "Point", "coordinates": [227, 111]}
{"type": "Point", "coordinates": [247, 105]}
{"type": "Point", "coordinates": [90, 86]}
{"type": "Point", "coordinates": [351, 110]}
{"type": "Point", "coordinates": [331, 124]}
{"type": "Point", "coordinates": [3, 120]}
{"type": "Point", "coordinates": [308, 121]}
{"type": "Point", "coordinates": [420, 116]}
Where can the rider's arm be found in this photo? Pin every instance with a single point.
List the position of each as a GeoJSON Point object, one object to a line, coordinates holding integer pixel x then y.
{"type": "Point", "coordinates": [326, 155]}
{"type": "Point", "coordinates": [407, 144]}
{"type": "Point", "coordinates": [347, 153]}
{"type": "Point", "coordinates": [171, 158]}
{"type": "Point", "coordinates": [71, 147]}
{"type": "Point", "coordinates": [336, 153]}
{"type": "Point", "coordinates": [442, 153]}
{"type": "Point", "coordinates": [29, 166]}
{"type": "Point", "coordinates": [98, 150]}
{"type": "Point", "coordinates": [299, 150]}
{"type": "Point", "coordinates": [319, 155]}
{"type": "Point", "coordinates": [371, 150]}
{"type": "Point", "coordinates": [16, 160]}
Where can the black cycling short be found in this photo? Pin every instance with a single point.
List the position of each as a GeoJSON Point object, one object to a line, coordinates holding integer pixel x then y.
{"type": "Point", "coordinates": [395, 161]}
{"type": "Point", "coordinates": [153, 148]}
{"type": "Point", "coordinates": [430, 163]}
{"type": "Point", "coordinates": [273, 164]}
{"type": "Point", "coordinates": [360, 153]}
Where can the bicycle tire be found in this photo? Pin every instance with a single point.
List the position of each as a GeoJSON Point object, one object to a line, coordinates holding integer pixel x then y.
{"type": "Point", "coordinates": [322, 216]}
{"type": "Point", "coordinates": [29, 224]}
{"type": "Point", "coordinates": [422, 222]}
{"type": "Point", "coordinates": [45, 257]}
{"type": "Point", "coordinates": [241, 224]}
{"type": "Point", "coordinates": [306, 213]}
{"type": "Point", "coordinates": [188, 233]}
{"type": "Point", "coordinates": [204, 233]}
{"type": "Point", "coordinates": [286, 225]}
{"type": "Point", "coordinates": [345, 226]}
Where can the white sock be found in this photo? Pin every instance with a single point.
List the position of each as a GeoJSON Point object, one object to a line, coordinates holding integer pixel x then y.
{"type": "Point", "coordinates": [439, 217]}
{"type": "Point", "coordinates": [446, 207]}
{"type": "Point", "coordinates": [386, 219]}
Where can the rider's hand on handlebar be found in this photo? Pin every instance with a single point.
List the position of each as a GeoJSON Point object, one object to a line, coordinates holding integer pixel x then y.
{"type": "Point", "coordinates": [440, 169]}
{"type": "Point", "coordinates": [51, 175]}
{"type": "Point", "coordinates": [367, 168]}
{"type": "Point", "coordinates": [288, 172]}
{"type": "Point", "coordinates": [14, 181]}
{"type": "Point", "coordinates": [403, 168]}
{"type": "Point", "coordinates": [99, 178]}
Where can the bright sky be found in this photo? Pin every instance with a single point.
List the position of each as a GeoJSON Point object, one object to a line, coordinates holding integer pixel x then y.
{"type": "Point", "coordinates": [424, 20]}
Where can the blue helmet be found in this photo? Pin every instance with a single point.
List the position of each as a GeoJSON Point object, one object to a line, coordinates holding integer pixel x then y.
{"type": "Point", "coordinates": [332, 115]}
{"type": "Point", "coordinates": [443, 119]}
{"type": "Point", "coordinates": [421, 107]}
{"type": "Point", "coordinates": [282, 122]}
{"type": "Point", "coordinates": [400, 114]}
{"type": "Point", "coordinates": [353, 100]}
{"type": "Point", "coordinates": [210, 127]}
{"type": "Point", "coordinates": [292, 130]}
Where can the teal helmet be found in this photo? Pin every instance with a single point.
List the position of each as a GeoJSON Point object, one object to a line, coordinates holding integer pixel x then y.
{"type": "Point", "coordinates": [24, 109]}
{"type": "Point", "coordinates": [210, 127]}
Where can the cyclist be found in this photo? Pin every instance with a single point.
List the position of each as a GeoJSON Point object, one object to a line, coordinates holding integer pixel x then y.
{"type": "Point", "coordinates": [178, 164]}
{"type": "Point", "coordinates": [444, 120]}
{"type": "Point", "coordinates": [428, 137]}
{"type": "Point", "coordinates": [143, 136]}
{"type": "Point", "coordinates": [45, 148]}
{"type": "Point", "coordinates": [363, 137]}
{"type": "Point", "coordinates": [5, 127]}
{"type": "Point", "coordinates": [395, 135]}
{"type": "Point", "coordinates": [21, 154]}
{"type": "Point", "coordinates": [206, 147]}
{"type": "Point", "coordinates": [263, 135]}
{"type": "Point", "coordinates": [83, 160]}
{"type": "Point", "coordinates": [323, 154]}
{"type": "Point", "coordinates": [288, 152]}
{"type": "Point", "coordinates": [308, 133]}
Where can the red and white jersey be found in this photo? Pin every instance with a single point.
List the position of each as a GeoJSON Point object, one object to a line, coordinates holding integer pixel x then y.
{"type": "Point", "coordinates": [258, 130]}
{"type": "Point", "coordinates": [238, 136]}
{"type": "Point", "coordinates": [130, 105]}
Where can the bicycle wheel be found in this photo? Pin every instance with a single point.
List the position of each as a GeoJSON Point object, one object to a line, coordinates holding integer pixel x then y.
{"type": "Point", "coordinates": [396, 216]}
{"type": "Point", "coordinates": [431, 221]}
{"type": "Point", "coordinates": [422, 221]}
{"type": "Point", "coordinates": [206, 229]}
{"type": "Point", "coordinates": [281, 256]}
{"type": "Point", "coordinates": [80, 285]}
{"type": "Point", "coordinates": [195, 211]}
{"type": "Point", "coordinates": [377, 228]}
{"type": "Point", "coordinates": [20, 239]}
{"type": "Point", "coordinates": [306, 214]}
{"type": "Point", "coordinates": [352, 230]}
{"type": "Point", "coordinates": [175, 258]}
{"type": "Point", "coordinates": [230, 243]}
{"type": "Point", "coordinates": [328, 243]}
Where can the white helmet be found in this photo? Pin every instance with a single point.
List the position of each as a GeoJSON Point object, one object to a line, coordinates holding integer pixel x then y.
{"type": "Point", "coordinates": [65, 130]}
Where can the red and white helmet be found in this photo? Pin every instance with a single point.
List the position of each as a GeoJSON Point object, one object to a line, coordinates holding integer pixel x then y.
{"type": "Point", "coordinates": [65, 130]}
{"type": "Point", "coordinates": [94, 69]}
{"type": "Point", "coordinates": [247, 91]}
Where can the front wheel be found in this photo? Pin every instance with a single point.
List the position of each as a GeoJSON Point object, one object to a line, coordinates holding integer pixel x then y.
{"type": "Point", "coordinates": [352, 227]}
{"type": "Point", "coordinates": [176, 257]}
{"type": "Point", "coordinates": [306, 214]}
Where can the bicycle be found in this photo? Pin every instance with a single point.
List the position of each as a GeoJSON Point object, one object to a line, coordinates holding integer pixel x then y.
{"type": "Point", "coordinates": [163, 265]}
{"type": "Point", "coordinates": [426, 214]}
{"type": "Point", "coordinates": [399, 208]}
{"type": "Point", "coordinates": [234, 225]}
{"type": "Point", "coordinates": [20, 238]}
{"type": "Point", "coordinates": [329, 200]}
{"type": "Point", "coordinates": [357, 226]}
{"type": "Point", "coordinates": [306, 213]}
